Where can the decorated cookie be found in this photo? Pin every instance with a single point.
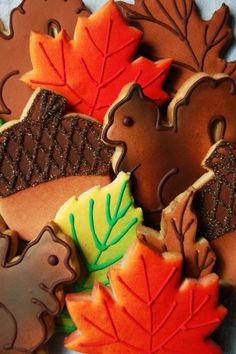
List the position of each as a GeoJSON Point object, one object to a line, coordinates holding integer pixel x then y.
{"type": "Point", "coordinates": [215, 204]}
{"type": "Point", "coordinates": [167, 158]}
{"type": "Point", "coordinates": [170, 29]}
{"type": "Point", "coordinates": [45, 16]}
{"type": "Point", "coordinates": [148, 311]}
{"type": "Point", "coordinates": [4, 230]}
{"type": "Point", "coordinates": [178, 234]}
{"type": "Point", "coordinates": [91, 69]}
{"type": "Point", "coordinates": [102, 223]}
{"type": "Point", "coordinates": [31, 289]}
{"type": "Point", "coordinates": [43, 149]}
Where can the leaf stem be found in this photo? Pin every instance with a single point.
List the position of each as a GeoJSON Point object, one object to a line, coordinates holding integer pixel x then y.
{"type": "Point", "coordinates": [92, 227]}
{"type": "Point", "coordinates": [96, 267]}
{"type": "Point", "coordinates": [112, 221]}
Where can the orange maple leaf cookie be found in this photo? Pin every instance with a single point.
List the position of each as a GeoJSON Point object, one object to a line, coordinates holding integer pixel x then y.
{"type": "Point", "coordinates": [148, 311]}
{"type": "Point", "coordinates": [170, 29]}
{"type": "Point", "coordinates": [45, 16]}
{"type": "Point", "coordinates": [91, 69]}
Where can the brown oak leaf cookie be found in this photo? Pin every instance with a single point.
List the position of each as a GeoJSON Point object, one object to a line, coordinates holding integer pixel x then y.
{"type": "Point", "coordinates": [174, 29]}
{"type": "Point", "coordinates": [31, 289]}
{"type": "Point", "coordinates": [45, 158]}
{"type": "Point", "coordinates": [215, 205]}
{"type": "Point", "coordinates": [46, 16]}
{"type": "Point", "coordinates": [178, 234]}
{"type": "Point", "coordinates": [164, 152]}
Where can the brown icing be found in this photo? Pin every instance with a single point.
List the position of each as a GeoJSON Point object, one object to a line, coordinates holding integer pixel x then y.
{"type": "Point", "coordinates": [174, 29]}
{"type": "Point", "coordinates": [165, 153]}
{"type": "Point", "coordinates": [45, 145]}
{"type": "Point", "coordinates": [29, 294]}
{"type": "Point", "coordinates": [215, 202]}
{"type": "Point", "coordinates": [27, 211]}
{"type": "Point", "coordinates": [215, 206]}
{"type": "Point", "coordinates": [178, 234]}
{"type": "Point", "coordinates": [45, 16]}
{"type": "Point", "coordinates": [225, 250]}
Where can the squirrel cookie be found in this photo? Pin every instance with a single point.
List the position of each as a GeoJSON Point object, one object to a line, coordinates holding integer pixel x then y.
{"type": "Point", "coordinates": [90, 69]}
{"type": "Point", "coordinates": [46, 16]}
{"type": "Point", "coordinates": [164, 152]}
{"type": "Point", "coordinates": [45, 158]}
{"type": "Point", "coordinates": [169, 31]}
{"type": "Point", "coordinates": [215, 205]}
{"type": "Point", "coordinates": [149, 309]}
{"type": "Point", "coordinates": [31, 287]}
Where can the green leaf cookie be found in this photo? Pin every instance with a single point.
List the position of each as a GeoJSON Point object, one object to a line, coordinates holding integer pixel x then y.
{"type": "Point", "coordinates": [102, 223]}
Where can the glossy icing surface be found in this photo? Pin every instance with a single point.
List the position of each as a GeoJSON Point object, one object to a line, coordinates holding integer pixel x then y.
{"type": "Point", "coordinates": [105, 46]}
{"type": "Point", "coordinates": [170, 31]}
{"type": "Point", "coordinates": [28, 306]}
{"type": "Point", "coordinates": [172, 142]}
{"type": "Point", "coordinates": [46, 16]}
{"type": "Point", "coordinates": [148, 310]}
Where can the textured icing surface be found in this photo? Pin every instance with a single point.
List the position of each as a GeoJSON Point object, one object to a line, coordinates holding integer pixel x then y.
{"type": "Point", "coordinates": [208, 7]}
{"type": "Point", "coordinates": [216, 201]}
{"type": "Point", "coordinates": [47, 145]}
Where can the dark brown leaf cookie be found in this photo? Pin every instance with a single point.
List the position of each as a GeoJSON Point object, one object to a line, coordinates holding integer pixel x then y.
{"type": "Point", "coordinates": [174, 29]}
{"type": "Point", "coordinates": [178, 234]}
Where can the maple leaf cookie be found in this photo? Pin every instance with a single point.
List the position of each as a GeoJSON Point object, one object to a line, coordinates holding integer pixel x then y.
{"type": "Point", "coordinates": [148, 309]}
{"type": "Point", "coordinates": [45, 16]}
{"type": "Point", "coordinates": [91, 69]}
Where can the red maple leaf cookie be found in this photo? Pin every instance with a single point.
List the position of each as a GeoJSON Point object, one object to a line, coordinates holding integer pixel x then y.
{"type": "Point", "coordinates": [45, 16]}
{"type": "Point", "coordinates": [91, 69]}
{"type": "Point", "coordinates": [149, 310]}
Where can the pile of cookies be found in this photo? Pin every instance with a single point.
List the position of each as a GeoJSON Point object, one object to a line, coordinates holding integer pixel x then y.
{"type": "Point", "coordinates": [118, 149]}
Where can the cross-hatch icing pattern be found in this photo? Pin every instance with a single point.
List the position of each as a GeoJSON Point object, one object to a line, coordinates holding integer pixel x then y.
{"type": "Point", "coordinates": [216, 202]}
{"type": "Point", "coordinates": [47, 145]}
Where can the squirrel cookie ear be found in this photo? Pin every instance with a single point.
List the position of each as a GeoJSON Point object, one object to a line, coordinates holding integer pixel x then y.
{"type": "Point", "coordinates": [135, 91]}
{"type": "Point", "coordinates": [5, 248]}
{"type": "Point", "coordinates": [47, 232]}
